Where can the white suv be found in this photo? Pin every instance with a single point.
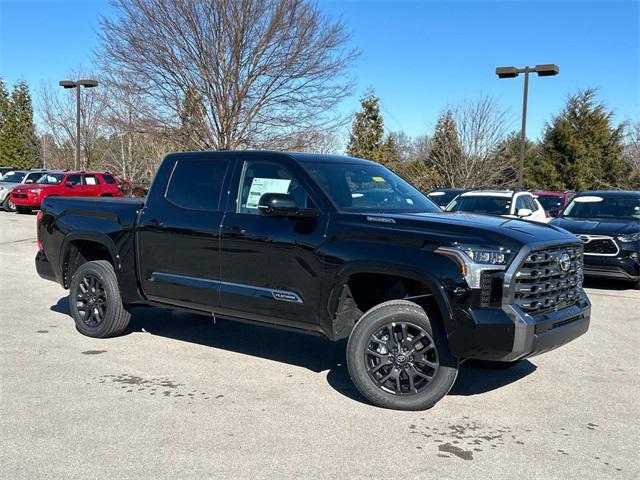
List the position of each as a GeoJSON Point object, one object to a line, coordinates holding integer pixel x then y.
{"type": "Point", "coordinates": [507, 203]}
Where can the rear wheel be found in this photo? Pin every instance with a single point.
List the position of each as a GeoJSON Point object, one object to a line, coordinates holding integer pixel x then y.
{"type": "Point", "coordinates": [398, 358]}
{"type": "Point", "coordinates": [95, 302]}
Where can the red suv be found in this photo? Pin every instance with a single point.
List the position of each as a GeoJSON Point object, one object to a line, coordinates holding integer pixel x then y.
{"type": "Point", "coordinates": [553, 202]}
{"type": "Point", "coordinates": [64, 184]}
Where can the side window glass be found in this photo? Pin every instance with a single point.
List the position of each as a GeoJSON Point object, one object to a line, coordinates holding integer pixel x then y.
{"type": "Point", "coordinates": [259, 178]}
{"type": "Point", "coordinates": [197, 184]}
{"type": "Point", "coordinates": [109, 179]}
{"type": "Point", "coordinates": [531, 204]}
{"type": "Point", "coordinates": [74, 179]}
{"type": "Point", "coordinates": [91, 180]}
{"type": "Point", "coordinates": [520, 203]}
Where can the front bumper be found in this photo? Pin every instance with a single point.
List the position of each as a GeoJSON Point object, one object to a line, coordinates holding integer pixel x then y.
{"type": "Point", "coordinates": [510, 334]}
{"type": "Point", "coordinates": [26, 200]}
{"type": "Point", "coordinates": [622, 267]}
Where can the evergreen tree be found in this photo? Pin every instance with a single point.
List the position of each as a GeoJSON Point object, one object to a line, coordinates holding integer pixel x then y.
{"type": "Point", "coordinates": [27, 153]}
{"type": "Point", "coordinates": [581, 149]}
{"type": "Point", "coordinates": [192, 121]}
{"type": "Point", "coordinates": [367, 130]}
{"type": "Point", "coordinates": [18, 140]}
{"type": "Point", "coordinates": [445, 145]}
{"type": "Point", "coordinates": [7, 122]}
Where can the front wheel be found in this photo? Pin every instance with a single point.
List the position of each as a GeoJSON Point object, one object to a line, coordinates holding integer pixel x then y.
{"type": "Point", "coordinates": [95, 302]}
{"type": "Point", "coordinates": [398, 358]}
{"type": "Point", "coordinates": [8, 205]}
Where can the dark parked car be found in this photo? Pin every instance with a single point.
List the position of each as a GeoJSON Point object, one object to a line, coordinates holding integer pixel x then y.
{"type": "Point", "coordinates": [442, 196]}
{"type": "Point", "coordinates": [608, 223]}
{"type": "Point", "coordinates": [281, 239]}
{"type": "Point", "coordinates": [553, 201]}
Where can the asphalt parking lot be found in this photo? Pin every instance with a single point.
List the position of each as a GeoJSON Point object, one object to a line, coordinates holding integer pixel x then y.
{"type": "Point", "coordinates": [182, 397]}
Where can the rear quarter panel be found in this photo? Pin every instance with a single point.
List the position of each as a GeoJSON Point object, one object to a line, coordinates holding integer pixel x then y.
{"type": "Point", "coordinates": [108, 221]}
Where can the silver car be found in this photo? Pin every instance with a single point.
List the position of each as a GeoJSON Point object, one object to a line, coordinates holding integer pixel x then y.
{"type": "Point", "coordinates": [12, 179]}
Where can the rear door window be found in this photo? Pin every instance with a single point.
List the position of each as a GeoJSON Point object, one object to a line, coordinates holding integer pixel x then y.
{"type": "Point", "coordinates": [197, 184]}
{"type": "Point", "coordinates": [109, 179]}
{"type": "Point", "coordinates": [91, 180]}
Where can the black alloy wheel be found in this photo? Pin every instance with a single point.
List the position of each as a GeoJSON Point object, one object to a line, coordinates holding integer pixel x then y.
{"type": "Point", "coordinates": [91, 301]}
{"type": "Point", "coordinates": [401, 358]}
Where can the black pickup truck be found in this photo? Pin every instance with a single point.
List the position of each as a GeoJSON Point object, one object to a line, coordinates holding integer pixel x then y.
{"type": "Point", "coordinates": [340, 247]}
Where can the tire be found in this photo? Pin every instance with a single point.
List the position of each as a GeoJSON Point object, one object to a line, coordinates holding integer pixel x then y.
{"type": "Point", "coordinates": [95, 302]}
{"type": "Point", "coordinates": [365, 357]}
{"type": "Point", "coordinates": [636, 285]}
{"type": "Point", "coordinates": [492, 365]}
{"type": "Point", "coordinates": [8, 205]}
{"type": "Point", "coordinates": [23, 210]}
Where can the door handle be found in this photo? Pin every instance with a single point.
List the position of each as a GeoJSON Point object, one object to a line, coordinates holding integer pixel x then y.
{"type": "Point", "coordinates": [154, 222]}
{"type": "Point", "coordinates": [237, 231]}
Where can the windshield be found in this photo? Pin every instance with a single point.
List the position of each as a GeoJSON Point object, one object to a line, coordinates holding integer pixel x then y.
{"type": "Point", "coordinates": [481, 204]}
{"type": "Point", "coordinates": [368, 188]}
{"type": "Point", "coordinates": [551, 202]}
{"type": "Point", "coordinates": [51, 179]}
{"type": "Point", "coordinates": [443, 198]}
{"type": "Point", "coordinates": [14, 177]}
{"type": "Point", "coordinates": [592, 206]}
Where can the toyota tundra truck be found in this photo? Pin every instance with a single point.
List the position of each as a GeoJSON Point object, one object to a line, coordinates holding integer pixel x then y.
{"type": "Point", "coordinates": [336, 246]}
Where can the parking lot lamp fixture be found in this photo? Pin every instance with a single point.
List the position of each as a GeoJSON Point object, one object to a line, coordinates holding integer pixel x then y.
{"type": "Point", "coordinates": [77, 84]}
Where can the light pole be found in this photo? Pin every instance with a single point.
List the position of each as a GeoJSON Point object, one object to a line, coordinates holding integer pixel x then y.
{"type": "Point", "coordinates": [77, 84]}
{"type": "Point", "coordinates": [545, 70]}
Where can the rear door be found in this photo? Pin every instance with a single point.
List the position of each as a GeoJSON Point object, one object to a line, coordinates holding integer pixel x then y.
{"type": "Point", "coordinates": [90, 185]}
{"type": "Point", "coordinates": [179, 231]}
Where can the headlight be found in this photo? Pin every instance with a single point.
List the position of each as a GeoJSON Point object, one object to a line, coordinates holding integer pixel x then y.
{"type": "Point", "coordinates": [473, 260]}
{"type": "Point", "coordinates": [487, 256]}
{"type": "Point", "coordinates": [632, 237]}
{"type": "Point", "coordinates": [36, 190]}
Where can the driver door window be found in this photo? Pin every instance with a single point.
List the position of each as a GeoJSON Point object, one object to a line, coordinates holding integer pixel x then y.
{"type": "Point", "coordinates": [260, 177]}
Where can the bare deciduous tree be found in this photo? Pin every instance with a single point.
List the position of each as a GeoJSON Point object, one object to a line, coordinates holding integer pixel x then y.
{"type": "Point", "coordinates": [481, 127]}
{"type": "Point", "coordinates": [57, 110]}
{"type": "Point", "coordinates": [264, 70]}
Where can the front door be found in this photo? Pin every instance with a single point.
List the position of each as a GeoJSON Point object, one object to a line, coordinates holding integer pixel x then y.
{"type": "Point", "coordinates": [270, 268]}
{"type": "Point", "coordinates": [179, 232]}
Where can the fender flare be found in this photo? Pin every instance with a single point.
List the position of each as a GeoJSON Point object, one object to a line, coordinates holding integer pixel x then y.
{"type": "Point", "coordinates": [100, 238]}
{"type": "Point", "coordinates": [434, 283]}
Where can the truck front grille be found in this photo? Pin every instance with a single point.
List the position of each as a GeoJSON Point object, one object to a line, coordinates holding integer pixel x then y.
{"type": "Point", "coordinates": [541, 282]}
{"type": "Point", "coordinates": [599, 245]}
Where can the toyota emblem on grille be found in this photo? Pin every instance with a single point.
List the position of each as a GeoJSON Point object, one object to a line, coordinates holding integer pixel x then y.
{"type": "Point", "coordinates": [584, 238]}
{"type": "Point", "coordinates": [565, 262]}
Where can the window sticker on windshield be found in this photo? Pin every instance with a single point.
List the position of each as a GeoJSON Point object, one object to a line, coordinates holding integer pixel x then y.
{"type": "Point", "coordinates": [588, 199]}
{"type": "Point", "coordinates": [260, 186]}
{"type": "Point", "coordinates": [378, 179]}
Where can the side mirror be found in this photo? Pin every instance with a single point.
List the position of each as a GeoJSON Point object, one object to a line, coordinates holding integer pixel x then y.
{"type": "Point", "coordinates": [282, 205]}
{"type": "Point", "coordinates": [68, 184]}
{"type": "Point", "coordinates": [524, 212]}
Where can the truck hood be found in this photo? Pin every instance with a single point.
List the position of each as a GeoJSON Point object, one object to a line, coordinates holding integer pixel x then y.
{"type": "Point", "coordinates": [598, 226]}
{"type": "Point", "coordinates": [473, 228]}
{"type": "Point", "coordinates": [22, 188]}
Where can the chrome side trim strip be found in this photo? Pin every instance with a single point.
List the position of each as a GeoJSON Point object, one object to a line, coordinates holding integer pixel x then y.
{"type": "Point", "coordinates": [227, 287]}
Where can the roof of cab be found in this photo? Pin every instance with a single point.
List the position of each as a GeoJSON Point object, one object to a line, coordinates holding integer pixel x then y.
{"type": "Point", "coordinates": [301, 157]}
{"type": "Point", "coordinates": [610, 193]}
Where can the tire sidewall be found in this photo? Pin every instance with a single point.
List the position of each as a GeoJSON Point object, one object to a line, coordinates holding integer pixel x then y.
{"type": "Point", "coordinates": [375, 319]}
{"type": "Point", "coordinates": [109, 283]}
{"type": "Point", "coordinates": [8, 205]}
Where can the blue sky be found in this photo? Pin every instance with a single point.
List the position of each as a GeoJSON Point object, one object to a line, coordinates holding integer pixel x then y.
{"type": "Point", "coordinates": [419, 56]}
